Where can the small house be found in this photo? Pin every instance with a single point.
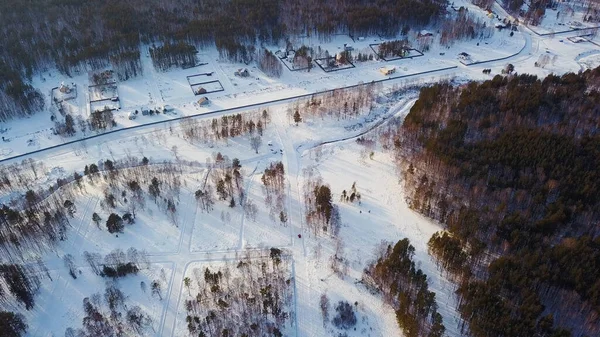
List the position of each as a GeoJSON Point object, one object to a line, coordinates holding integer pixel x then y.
{"type": "Point", "coordinates": [424, 33]}
{"type": "Point", "coordinates": [464, 56]}
{"type": "Point", "coordinates": [348, 47]}
{"type": "Point", "coordinates": [242, 72]}
{"type": "Point", "coordinates": [64, 88]}
{"type": "Point", "coordinates": [387, 71]}
{"type": "Point", "coordinates": [203, 101]}
{"type": "Point", "coordinates": [200, 91]}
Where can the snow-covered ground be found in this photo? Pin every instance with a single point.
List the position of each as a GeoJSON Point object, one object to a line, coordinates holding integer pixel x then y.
{"type": "Point", "coordinates": [195, 238]}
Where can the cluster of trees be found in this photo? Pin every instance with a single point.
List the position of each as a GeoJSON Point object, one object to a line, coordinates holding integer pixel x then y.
{"type": "Point", "coordinates": [39, 217]}
{"type": "Point", "coordinates": [320, 212]}
{"type": "Point", "coordinates": [33, 226]}
{"type": "Point", "coordinates": [345, 317]}
{"type": "Point", "coordinates": [396, 48]}
{"type": "Point", "coordinates": [227, 178]}
{"type": "Point", "coordinates": [17, 97]}
{"type": "Point", "coordinates": [339, 104]}
{"type": "Point", "coordinates": [247, 297]}
{"type": "Point", "coordinates": [404, 286]}
{"type": "Point", "coordinates": [128, 184]}
{"type": "Point", "coordinates": [117, 263]}
{"type": "Point", "coordinates": [228, 126]}
{"type": "Point", "coordinates": [11, 324]}
{"type": "Point", "coordinates": [510, 165]}
{"type": "Point", "coordinates": [269, 63]}
{"type": "Point", "coordinates": [463, 26]}
{"type": "Point", "coordinates": [353, 195]}
{"type": "Point", "coordinates": [169, 55]}
{"type": "Point", "coordinates": [101, 120]}
{"type": "Point", "coordinates": [274, 187]}
{"type": "Point", "coordinates": [109, 314]}
{"type": "Point", "coordinates": [20, 282]}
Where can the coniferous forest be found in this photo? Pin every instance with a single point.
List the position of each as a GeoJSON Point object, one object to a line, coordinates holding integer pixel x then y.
{"type": "Point", "coordinates": [510, 166]}
{"type": "Point", "coordinates": [77, 36]}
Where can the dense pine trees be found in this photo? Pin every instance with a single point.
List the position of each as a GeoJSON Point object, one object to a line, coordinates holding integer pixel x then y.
{"type": "Point", "coordinates": [511, 166]}
{"type": "Point", "coordinates": [405, 286]}
{"type": "Point", "coordinates": [11, 324]}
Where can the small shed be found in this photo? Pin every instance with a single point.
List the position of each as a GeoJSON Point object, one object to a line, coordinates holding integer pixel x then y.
{"type": "Point", "coordinates": [64, 88]}
{"type": "Point", "coordinates": [387, 71]}
{"type": "Point", "coordinates": [200, 91]}
{"type": "Point", "coordinates": [203, 101]}
{"type": "Point", "coordinates": [424, 33]}
{"type": "Point", "coordinates": [464, 56]}
{"type": "Point", "coordinates": [242, 72]}
{"type": "Point", "coordinates": [168, 108]}
{"type": "Point", "coordinates": [145, 111]}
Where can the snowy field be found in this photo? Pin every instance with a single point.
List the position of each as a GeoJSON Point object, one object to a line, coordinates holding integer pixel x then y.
{"type": "Point", "coordinates": [59, 303]}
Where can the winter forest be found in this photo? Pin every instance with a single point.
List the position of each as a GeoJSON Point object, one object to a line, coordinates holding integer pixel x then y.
{"type": "Point", "coordinates": [301, 168]}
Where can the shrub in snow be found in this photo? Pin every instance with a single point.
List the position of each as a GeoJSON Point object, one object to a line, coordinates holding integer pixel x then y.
{"type": "Point", "coordinates": [345, 318]}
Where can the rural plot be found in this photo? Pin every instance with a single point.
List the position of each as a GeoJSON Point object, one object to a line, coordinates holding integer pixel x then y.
{"type": "Point", "coordinates": [153, 229]}
{"type": "Point", "coordinates": [217, 230]}
{"type": "Point", "coordinates": [206, 87]}
{"type": "Point", "coordinates": [249, 295]}
{"type": "Point", "coordinates": [382, 214]}
{"type": "Point", "coordinates": [263, 225]}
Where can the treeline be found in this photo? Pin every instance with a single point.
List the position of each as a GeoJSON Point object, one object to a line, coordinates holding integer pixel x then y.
{"type": "Point", "coordinates": [340, 103]}
{"type": "Point", "coordinates": [510, 165]}
{"type": "Point", "coordinates": [404, 286]}
{"type": "Point", "coordinates": [269, 63]}
{"type": "Point", "coordinates": [126, 64]}
{"type": "Point", "coordinates": [180, 54]}
{"type": "Point", "coordinates": [17, 97]}
{"type": "Point", "coordinates": [226, 127]}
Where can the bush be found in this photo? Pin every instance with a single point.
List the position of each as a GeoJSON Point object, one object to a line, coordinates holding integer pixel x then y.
{"type": "Point", "coordinates": [121, 270]}
{"type": "Point", "coordinates": [345, 318]}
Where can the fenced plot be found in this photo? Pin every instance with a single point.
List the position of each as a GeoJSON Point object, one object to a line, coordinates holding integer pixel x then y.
{"type": "Point", "coordinates": [257, 287]}
{"type": "Point", "coordinates": [290, 64]}
{"type": "Point", "coordinates": [201, 77]}
{"type": "Point", "coordinates": [64, 93]}
{"type": "Point", "coordinates": [330, 64]}
{"type": "Point", "coordinates": [104, 104]}
{"type": "Point", "coordinates": [203, 88]}
{"type": "Point", "coordinates": [409, 54]}
{"type": "Point", "coordinates": [100, 92]}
